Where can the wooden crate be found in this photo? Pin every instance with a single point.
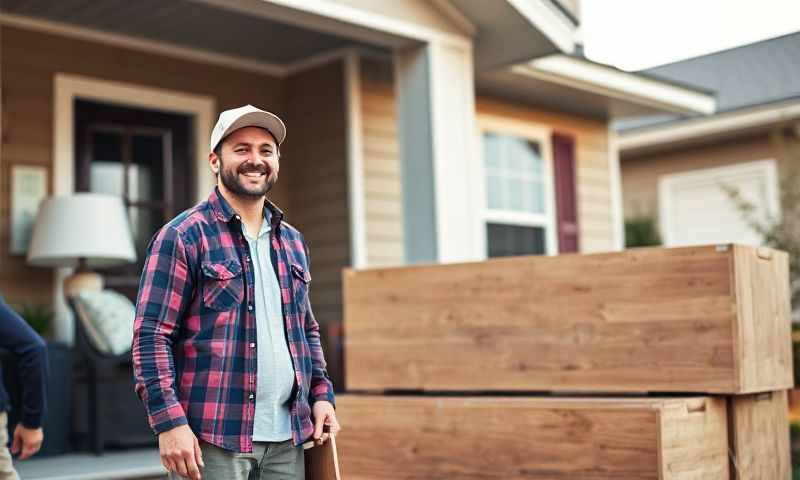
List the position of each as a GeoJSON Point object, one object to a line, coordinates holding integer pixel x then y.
{"type": "Point", "coordinates": [759, 436]}
{"type": "Point", "coordinates": [710, 319]}
{"type": "Point", "coordinates": [423, 437]}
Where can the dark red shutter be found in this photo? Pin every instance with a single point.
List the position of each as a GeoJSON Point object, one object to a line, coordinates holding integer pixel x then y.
{"type": "Point", "coordinates": [566, 203]}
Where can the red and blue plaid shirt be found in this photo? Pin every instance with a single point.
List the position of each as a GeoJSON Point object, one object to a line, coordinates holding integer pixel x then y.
{"type": "Point", "coordinates": [194, 343]}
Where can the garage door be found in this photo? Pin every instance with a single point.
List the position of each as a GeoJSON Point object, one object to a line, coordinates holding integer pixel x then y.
{"type": "Point", "coordinates": [696, 210]}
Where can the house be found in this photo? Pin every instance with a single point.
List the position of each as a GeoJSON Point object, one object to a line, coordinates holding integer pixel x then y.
{"type": "Point", "coordinates": [675, 168]}
{"type": "Point", "coordinates": [439, 131]}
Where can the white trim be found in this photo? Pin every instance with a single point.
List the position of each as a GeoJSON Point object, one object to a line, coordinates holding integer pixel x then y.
{"type": "Point", "coordinates": [705, 126]}
{"type": "Point", "coordinates": [666, 182]}
{"type": "Point", "coordinates": [66, 89]}
{"type": "Point", "coordinates": [148, 46]}
{"type": "Point", "coordinates": [615, 183]}
{"type": "Point", "coordinates": [553, 24]}
{"type": "Point", "coordinates": [454, 14]}
{"type": "Point", "coordinates": [487, 123]}
{"type": "Point", "coordinates": [355, 161]}
{"type": "Point", "coordinates": [604, 80]}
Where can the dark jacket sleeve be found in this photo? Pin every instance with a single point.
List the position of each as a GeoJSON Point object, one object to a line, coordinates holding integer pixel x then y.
{"type": "Point", "coordinates": [29, 349]}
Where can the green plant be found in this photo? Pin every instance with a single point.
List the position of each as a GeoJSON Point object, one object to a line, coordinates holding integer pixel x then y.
{"type": "Point", "coordinates": [39, 317]}
{"type": "Point", "coordinates": [641, 232]}
{"type": "Point", "coordinates": [779, 231]}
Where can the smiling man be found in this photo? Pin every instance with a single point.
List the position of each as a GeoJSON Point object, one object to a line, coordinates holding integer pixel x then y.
{"type": "Point", "coordinates": [227, 354]}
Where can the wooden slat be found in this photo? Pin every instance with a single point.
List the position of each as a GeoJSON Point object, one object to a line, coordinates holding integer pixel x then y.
{"type": "Point", "coordinates": [652, 319]}
{"type": "Point", "coordinates": [457, 438]}
{"type": "Point", "coordinates": [759, 438]}
{"type": "Point", "coordinates": [764, 337]}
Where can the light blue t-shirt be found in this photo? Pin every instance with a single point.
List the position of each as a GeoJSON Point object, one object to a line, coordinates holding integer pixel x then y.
{"type": "Point", "coordinates": [275, 379]}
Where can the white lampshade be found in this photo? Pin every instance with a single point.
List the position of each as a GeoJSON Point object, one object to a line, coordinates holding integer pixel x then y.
{"type": "Point", "coordinates": [81, 225]}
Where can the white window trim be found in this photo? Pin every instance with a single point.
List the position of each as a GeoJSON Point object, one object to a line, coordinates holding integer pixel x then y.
{"type": "Point", "coordinates": [526, 131]}
{"type": "Point", "coordinates": [667, 182]}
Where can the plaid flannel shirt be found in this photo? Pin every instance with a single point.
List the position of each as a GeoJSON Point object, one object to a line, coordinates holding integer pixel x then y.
{"type": "Point", "coordinates": [194, 344]}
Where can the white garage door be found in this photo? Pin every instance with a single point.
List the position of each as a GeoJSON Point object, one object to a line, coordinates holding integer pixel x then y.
{"type": "Point", "coordinates": [695, 210]}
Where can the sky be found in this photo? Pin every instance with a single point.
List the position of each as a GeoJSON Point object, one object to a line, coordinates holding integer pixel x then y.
{"type": "Point", "coordinates": [639, 34]}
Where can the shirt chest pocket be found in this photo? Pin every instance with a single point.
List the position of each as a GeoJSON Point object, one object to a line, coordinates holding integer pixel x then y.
{"type": "Point", "coordinates": [223, 284]}
{"type": "Point", "coordinates": [300, 281]}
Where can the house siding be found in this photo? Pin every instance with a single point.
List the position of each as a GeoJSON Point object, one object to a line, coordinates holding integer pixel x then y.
{"type": "Point", "coordinates": [30, 60]}
{"type": "Point", "coordinates": [382, 178]}
{"type": "Point", "coordinates": [317, 154]}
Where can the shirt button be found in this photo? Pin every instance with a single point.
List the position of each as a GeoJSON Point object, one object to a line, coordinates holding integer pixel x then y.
{"type": "Point", "coordinates": [250, 307]}
{"type": "Point", "coordinates": [251, 396]}
{"type": "Point", "coordinates": [252, 345]}
{"type": "Point", "coordinates": [238, 217]}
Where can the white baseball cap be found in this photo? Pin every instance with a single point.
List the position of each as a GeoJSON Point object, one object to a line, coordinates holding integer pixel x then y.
{"type": "Point", "coordinates": [246, 116]}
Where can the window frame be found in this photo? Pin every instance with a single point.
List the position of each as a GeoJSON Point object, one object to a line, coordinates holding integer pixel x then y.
{"type": "Point", "coordinates": [491, 124]}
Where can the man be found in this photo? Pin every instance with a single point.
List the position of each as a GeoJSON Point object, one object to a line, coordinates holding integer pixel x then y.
{"type": "Point", "coordinates": [226, 350]}
{"type": "Point", "coordinates": [29, 348]}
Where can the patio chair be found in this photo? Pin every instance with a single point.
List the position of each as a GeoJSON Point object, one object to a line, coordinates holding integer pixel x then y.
{"type": "Point", "coordinates": [103, 334]}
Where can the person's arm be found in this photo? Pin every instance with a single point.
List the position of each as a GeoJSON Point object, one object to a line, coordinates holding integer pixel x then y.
{"type": "Point", "coordinates": [31, 353]}
{"type": "Point", "coordinates": [165, 291]}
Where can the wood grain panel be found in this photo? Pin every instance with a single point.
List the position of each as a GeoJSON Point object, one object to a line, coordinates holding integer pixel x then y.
{"type": "Point", "coordinates": [651, 319]}
{"type": "Point", "coordinates": [456, 438]}
{"type": "Point", "coordinates": [759, 438]}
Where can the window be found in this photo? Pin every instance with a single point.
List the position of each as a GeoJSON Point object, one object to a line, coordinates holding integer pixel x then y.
{"type": "Point", "coordinates": [518, 214]}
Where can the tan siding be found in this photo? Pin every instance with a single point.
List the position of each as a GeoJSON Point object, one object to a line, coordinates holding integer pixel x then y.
{"type": "Point", "coordinates": [592, 162]}
{"type": "Point", "coordinates": [640, 174]}
{"type": "Point", "coordinates": [382, 177]}
{"type": "Point", "coordinates": [29, 63]}
{"type": "Point", "coordinates": [318, 189]}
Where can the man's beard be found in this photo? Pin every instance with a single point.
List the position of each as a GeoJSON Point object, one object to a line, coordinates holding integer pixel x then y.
{"type": "Point", "coordinates": [230, 178]}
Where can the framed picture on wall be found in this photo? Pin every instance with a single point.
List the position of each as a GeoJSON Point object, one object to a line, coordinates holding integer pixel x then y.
{"type": "Point", "coordinates": [28, 189]}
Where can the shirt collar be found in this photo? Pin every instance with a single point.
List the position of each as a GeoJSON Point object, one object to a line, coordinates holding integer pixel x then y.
{"type": "Point", "coordinates": [224, 212]}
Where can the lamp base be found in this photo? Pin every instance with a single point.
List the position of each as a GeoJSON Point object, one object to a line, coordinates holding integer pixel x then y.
{"type": "Point", "coordinates": [81, 282]}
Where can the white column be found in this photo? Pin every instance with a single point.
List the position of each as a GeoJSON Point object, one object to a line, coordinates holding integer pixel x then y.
{"type": "Point", "coordinates": [615, 182]}
{"type": "Point", "coordinates": [436, 123]}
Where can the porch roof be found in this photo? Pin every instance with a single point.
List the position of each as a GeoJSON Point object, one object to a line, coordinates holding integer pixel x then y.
{"type": "Point", "coordinates": [574, 84]}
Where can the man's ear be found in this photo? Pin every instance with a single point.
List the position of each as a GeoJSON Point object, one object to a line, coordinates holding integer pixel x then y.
{"type": "Point", "coordinates": [213, 162]}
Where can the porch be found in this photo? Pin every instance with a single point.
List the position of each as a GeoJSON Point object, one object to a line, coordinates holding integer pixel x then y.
{"type": "Point", "coordinates": [134, 464]}
{"type": "Point", "coordinates": [351, 84]}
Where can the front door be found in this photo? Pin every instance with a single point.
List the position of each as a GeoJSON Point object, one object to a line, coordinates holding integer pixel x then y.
{"type": "Point", "coordinates": [142, 156]}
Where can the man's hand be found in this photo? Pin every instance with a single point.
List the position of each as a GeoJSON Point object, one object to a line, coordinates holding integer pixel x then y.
{"type": "Point", "coordinates": [27, 441]}
{"type": "Point", "coordinates": [180, 452]}
{"type": "Point", "coordinates": [324, 415]}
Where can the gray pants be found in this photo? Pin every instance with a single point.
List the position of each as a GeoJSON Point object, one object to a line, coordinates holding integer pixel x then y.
{"type": "Point", "coordinates": [269, 461]}
{"type": "Point", "coordinates": [7, 471]}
